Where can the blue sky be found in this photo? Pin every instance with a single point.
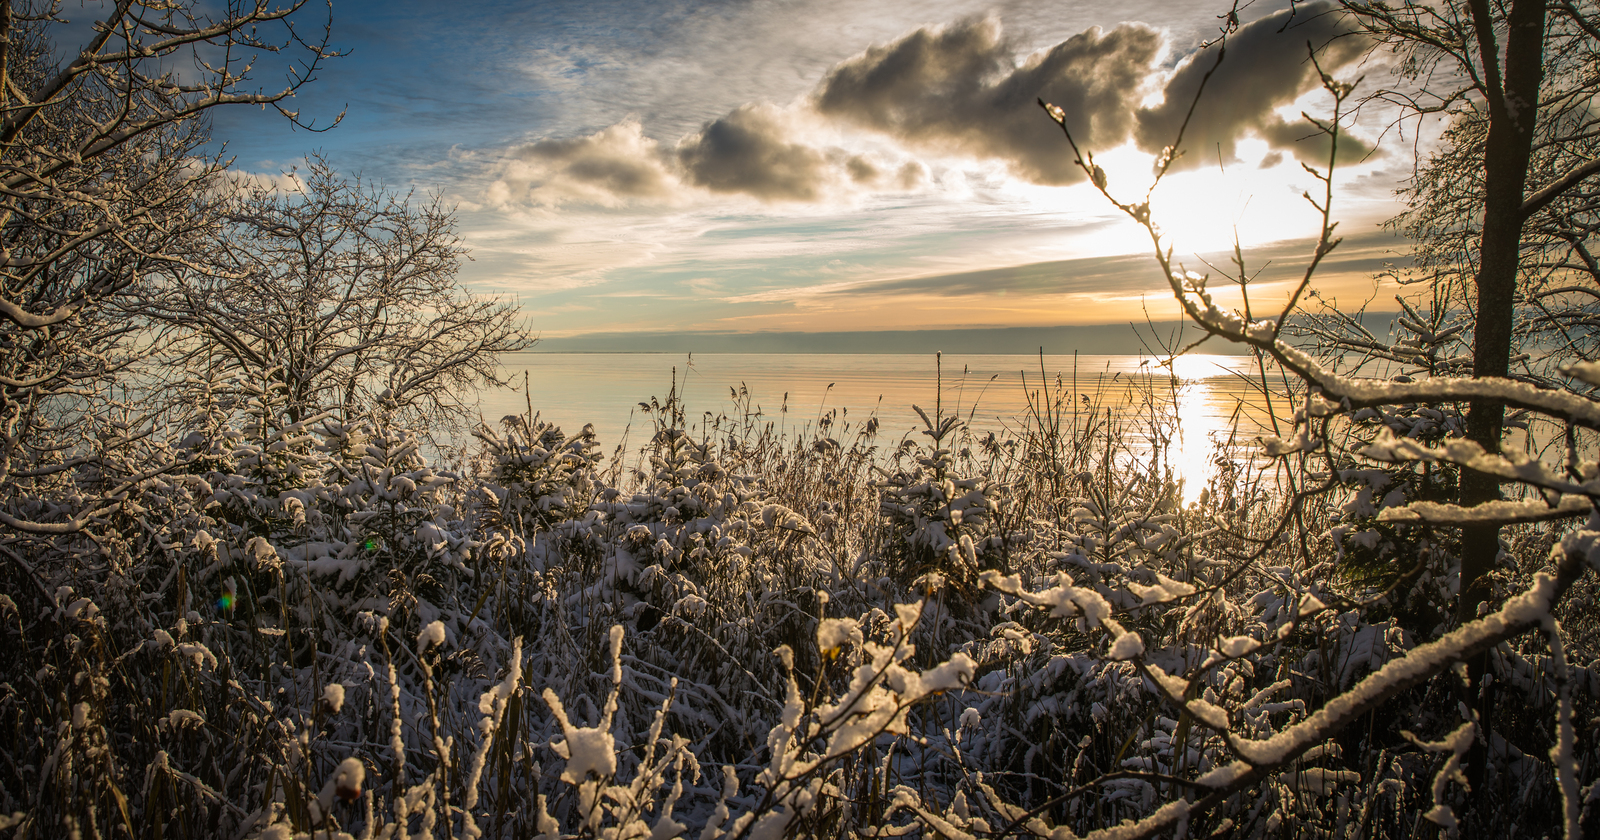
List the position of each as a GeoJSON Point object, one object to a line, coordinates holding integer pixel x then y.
{"type": "Point", "coordinates": [823, 165]}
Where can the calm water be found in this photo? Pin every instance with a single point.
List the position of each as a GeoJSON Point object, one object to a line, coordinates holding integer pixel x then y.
{"type": "Point", "coordinates": [794, 391]}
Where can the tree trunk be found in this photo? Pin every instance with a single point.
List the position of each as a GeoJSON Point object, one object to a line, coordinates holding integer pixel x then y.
{"type": "Point", "coordinates": [1513, 112]}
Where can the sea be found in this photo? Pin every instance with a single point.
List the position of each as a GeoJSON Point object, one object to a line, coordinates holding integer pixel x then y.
{"type": "Point", "coordinates": [1204, 401]}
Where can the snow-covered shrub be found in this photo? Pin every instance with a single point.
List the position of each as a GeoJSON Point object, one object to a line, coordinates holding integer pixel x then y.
{"type": "Point", "coordinates": [541, 476]}
{"type": "Point", "coordinates": [943, 524]}
{"type": "Point", "coordinates": [312, 622]}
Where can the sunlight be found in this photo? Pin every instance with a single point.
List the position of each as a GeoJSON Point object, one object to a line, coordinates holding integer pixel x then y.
{"type": "Point", "coordinates": [1256, 197]}
{"type": "Point", "coordinates": [1193, 455]}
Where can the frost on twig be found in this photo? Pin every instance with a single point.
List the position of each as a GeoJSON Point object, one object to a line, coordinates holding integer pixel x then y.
{"type": "Point", "coordinates": [1456, 744]}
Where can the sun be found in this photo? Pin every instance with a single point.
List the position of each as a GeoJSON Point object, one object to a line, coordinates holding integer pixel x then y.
{"type": "Point", "coordinates": [1258, 197]}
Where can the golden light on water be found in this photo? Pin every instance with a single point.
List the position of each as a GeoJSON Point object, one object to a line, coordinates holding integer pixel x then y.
{"type": "Point", "coordinates": [1201, 421]}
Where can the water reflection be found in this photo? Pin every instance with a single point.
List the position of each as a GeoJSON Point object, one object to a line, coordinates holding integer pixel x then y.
{"type": "Point", "coordinates": [1201, 427]}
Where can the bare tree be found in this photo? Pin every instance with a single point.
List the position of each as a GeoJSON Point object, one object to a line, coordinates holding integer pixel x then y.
{"type": "Point", "coordinates": [339, 296]}
{"type": "Point", "coordinates": [100, 176]}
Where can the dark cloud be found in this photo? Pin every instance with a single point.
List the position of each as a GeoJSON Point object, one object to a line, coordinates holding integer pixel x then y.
{"type": "Point", "coordinates": [861, 170]}
{"type": "Point", "coordinates": [960, 89]}
{"type": "Point", "coordinates": [1267, 66]}
{"type": "Point", "coordinates": [911, 175]}
{"type": "Point", "coordinates": [749, 151]}
{"type": "Point", "coordinates": [587, 162]}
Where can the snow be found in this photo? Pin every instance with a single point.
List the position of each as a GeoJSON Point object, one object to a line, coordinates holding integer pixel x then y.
{"type": "Point", "coordinates": [1587, 372]}
{"type": "Point", "coordinates": [347, 779]}
{"type": "Point", "coordinates": [1513, 466]}
{"type": "Point", "coordinates": [82, 607]}
{"type": "Point", "coordinates": [590, 751]}
{"type": "Point", "coordinates": [495, 697]}
{"type": "Point", "coordinates": [1225, 775]}
{"type": "Point", "coordinates": [1505, 512]}
{"type": "Point", "coordinates": [1208, 714]}
{"type": "Point", "coordinates": [1357, 393]}
{"type": "Point", "coordinates": [1234, 647]}
{"type": "Point", "coordinates": [1318, 781]}
{"type": "Point", "coordinates": [1531, 608]}
{"type": "Point", "coordinates": [834, 633]}
{"type": "Point", "coordinates": [783, 518]}
{"type": "Point", "coordinates": [1064, 599]}
{"type": "Point", "coordinates": [1170, 685]}
{"type": "Point", "coordinates": [197, 653]}
{"type": "Point", "coordinates": [1126, 646]}
{"type": "Point", "coordinates": [262, 554]}
{"type": "Point", "coordinates": [344, 784]}
{"type": "Point", "coordinates": [177, 718]}
{"type": "Point", "coordinates": [1456, 743]}
{"type": "Point", "coordinates": [906, 700]}
{"type": "Point", "coordinates": [431, 635]}
{"type": "Point", "coordinates": [1165, 589]}
{"type": "Point", "coordinates": [690, 605]}
{"type": "Point", "coordinates": [1562, 754]}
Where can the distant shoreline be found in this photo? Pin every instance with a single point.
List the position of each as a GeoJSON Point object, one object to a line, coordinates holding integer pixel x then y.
{"type": "Point", "coordinates": [1147, 339]}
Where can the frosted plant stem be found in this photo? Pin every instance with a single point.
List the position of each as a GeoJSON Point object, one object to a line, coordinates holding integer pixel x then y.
{"type": "Point", "coordinates": [1561, 755]}
{"type": "Point", "coordinates": [397, 741]}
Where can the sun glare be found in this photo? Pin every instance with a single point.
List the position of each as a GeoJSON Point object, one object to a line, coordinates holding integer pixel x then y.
{"type": "Point", "coordinates": [1194, 456]}
{"type": "Point", "coordinates": [1256, 197]}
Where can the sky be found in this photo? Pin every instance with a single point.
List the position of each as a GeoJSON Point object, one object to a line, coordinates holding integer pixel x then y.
{"type": "Point", "coordinates": [650, 166]}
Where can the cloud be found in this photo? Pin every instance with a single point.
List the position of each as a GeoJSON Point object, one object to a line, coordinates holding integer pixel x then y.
{"type": "Point", "coordinates": [1114, 274]}
{"type": "Point", "coordinates": [959, 88]}
{"type": "Point", "coordinates": [955, 90]}
{"type": "Point", "coordinates": [609, 168]}
{"type": "Point", "coordinates": [1267, 67]}
{"type": "Point", "coordinates": [1277, 264]}
{"type": "Point", "coordinates": [749, 151]}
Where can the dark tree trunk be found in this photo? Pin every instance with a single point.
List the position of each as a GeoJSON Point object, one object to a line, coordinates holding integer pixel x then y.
{"type": "Point", "coordinates": [1513, 112]}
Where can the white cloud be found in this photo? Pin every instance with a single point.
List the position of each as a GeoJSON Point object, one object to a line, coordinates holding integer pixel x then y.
{"type": "Point", "coordinates": [610, 168]}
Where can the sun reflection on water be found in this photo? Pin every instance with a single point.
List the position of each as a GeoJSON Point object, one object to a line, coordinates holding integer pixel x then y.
{"type": "Point", "coordinates": [1199, 428]}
